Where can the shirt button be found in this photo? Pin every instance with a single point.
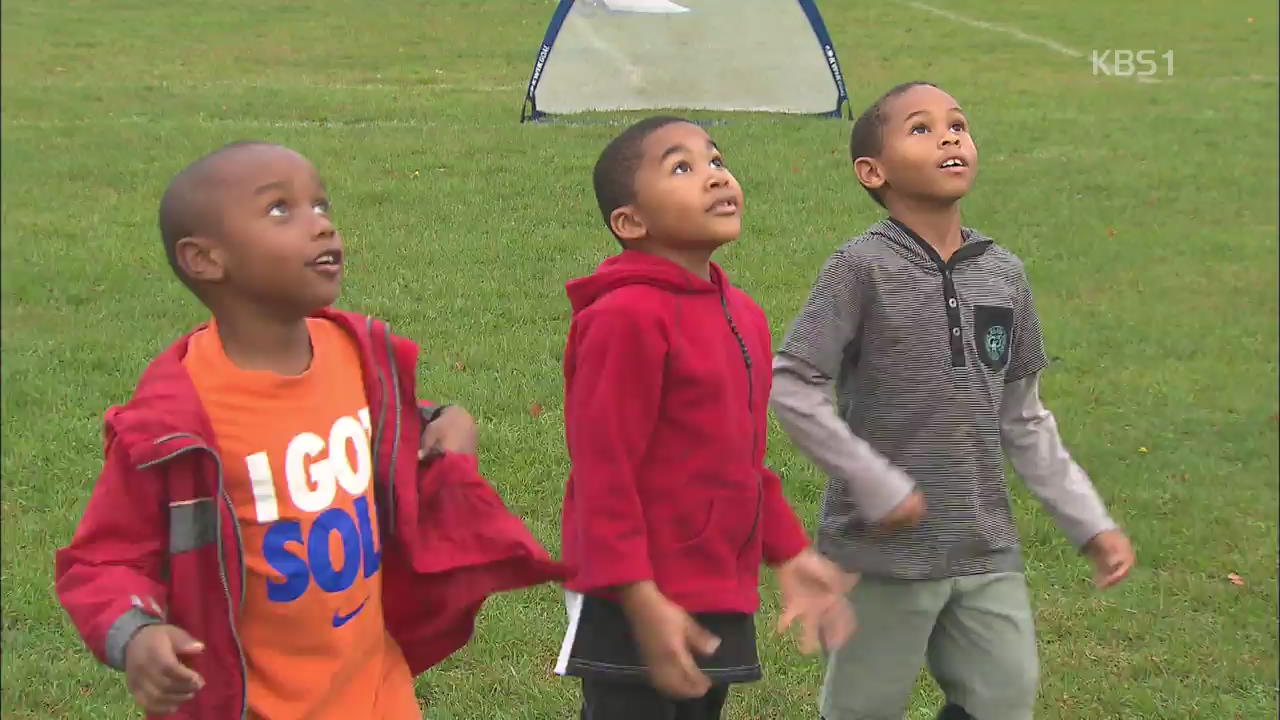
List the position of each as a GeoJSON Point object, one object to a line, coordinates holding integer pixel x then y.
{"type": "Point", "coordinates": [955, 331]}
{"type": "Point", "coordinates": [951, 302]}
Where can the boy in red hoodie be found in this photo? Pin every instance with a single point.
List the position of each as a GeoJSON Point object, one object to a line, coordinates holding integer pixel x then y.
{"type": "Point", "coordinates": [280, 529]}
{"type": "Point", "coordinates": [669, 510]}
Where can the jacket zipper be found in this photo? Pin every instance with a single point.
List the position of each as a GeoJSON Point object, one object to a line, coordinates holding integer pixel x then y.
{"type": "Point", "coordinates": [222, 563]}
{"type": "Point", "coordinates": [395, 437]}
{"type": "Point", "coordinates": [751, 411]}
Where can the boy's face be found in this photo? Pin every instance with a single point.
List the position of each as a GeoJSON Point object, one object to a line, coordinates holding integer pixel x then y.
{"type": "Point", "coordinates": [927, 152]}
{"type": "Point", "coordinates": [275, 245]}
{"type": "Point", "coordinates": [685, 197]}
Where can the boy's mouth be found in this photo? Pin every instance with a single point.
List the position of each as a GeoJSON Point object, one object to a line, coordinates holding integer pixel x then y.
{"type": "Point", "coordinates": [329, 260]}
{"type": "Point", "coordinates": [953, 162]}
{"type": "Point", "coordinates": [724, 206]}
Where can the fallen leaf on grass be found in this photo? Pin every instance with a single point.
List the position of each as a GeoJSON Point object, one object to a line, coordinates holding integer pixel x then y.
{"type": "Point", "coordinates": [535, 409]}
{"type": "Point", "coordinates": [1143, 451]}
{"type": "Point", "coordinates": [1111, 232]}
{"type": "Point", "coordinates": [1235, 579]}
{"type": "Point", "coordinates": [459, 366]}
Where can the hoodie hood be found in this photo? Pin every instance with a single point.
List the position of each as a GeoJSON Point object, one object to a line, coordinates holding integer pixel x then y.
{"type": "Point", "coordinates": [637, 268]}
{"type": "Point", "coordinates": [919, 251]}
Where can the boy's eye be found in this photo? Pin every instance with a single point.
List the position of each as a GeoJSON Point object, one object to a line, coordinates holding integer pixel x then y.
{"type": "Point", "coordinates": [278, 209]}
{"type": "Point", "coordinates": [322, 207]}
{"type": "Point", "coordinates": [919, 129]}
{"type": "Point", "coordinates": [958, 127]}
{"type": "Point", "coordinates": [681, 168]}
{"type": "Point", "coordinates": [717, 162]}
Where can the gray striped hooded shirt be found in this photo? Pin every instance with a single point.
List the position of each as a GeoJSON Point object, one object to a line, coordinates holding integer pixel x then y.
{"type": "Point", "coordinates": [934, 367]}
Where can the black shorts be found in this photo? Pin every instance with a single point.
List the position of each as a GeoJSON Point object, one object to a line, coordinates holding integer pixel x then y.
{"type": "Point", "coordinates": [599, 645]}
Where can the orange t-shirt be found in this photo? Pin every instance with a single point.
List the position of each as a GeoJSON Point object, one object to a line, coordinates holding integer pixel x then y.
{"type": "Point", "coordinates": [298, 468]}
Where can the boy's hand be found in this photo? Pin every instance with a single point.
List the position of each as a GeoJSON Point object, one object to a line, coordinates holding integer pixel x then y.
{"type": "Point", "coordinates": [667, 637]}
{"type": "Point", "coordinates": [814, 590]}
{"type": "Point", "coordinates": [1112, 556]}
{"type": "Point", "coordinates": [453, 432]}
{"type": "Point", "coordinates": [908, 513]}
{"type": "Point", "coordinates": [154, 671]}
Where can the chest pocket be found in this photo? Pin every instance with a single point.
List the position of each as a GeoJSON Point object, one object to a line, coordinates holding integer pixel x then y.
{"type": "Point", "coordinates": [993, 334]}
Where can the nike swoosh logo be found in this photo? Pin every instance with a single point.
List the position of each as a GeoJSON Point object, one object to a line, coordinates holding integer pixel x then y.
{"type": "Point", "coordinates": [340, 620]}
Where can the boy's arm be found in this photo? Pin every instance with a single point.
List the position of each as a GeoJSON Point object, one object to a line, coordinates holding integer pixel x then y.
{"type": "Point", "coordinates": [1030, 436]}
{"type": "Point", "coordinates": [783, 535]}
{"type": "Point", "coordinates": [803, 382]}
{"type": "Point", "coordinates": [612, 409]}
{"type": "Point", "coordinates": [802, 400]}
{"type": "Point", "coordinates": [1029, 432]}
{"type": "Point", "coordinates": [108, 578]}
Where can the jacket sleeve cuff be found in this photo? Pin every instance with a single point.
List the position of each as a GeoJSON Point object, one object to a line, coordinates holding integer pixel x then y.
{"type": "Point", "coordinates": [784, 534]}
{"type": "Point", "coordinates": [776, 553]}
{"type": "Point", "coordinates": [801, 400]}
{"type": "Point", "coordinates": [878, 499]}
{"type": "Point", "coordinates": [122, 631]}
{"type": "Point", "coordinates": [1080, 535]}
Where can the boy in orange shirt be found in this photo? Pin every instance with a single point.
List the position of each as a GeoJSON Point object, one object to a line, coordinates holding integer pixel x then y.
{"type": "Point", "coordinates": [280, 529]}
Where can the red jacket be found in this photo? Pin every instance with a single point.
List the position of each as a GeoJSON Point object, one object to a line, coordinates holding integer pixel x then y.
{"type": "Point", "coordinates": [159, 538]}
{"type": "Point", "coordinates": [667, 381]}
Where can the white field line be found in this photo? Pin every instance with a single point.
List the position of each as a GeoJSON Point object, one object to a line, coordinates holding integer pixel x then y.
{"type": "Point", "coordinates": [1013, 32]}
{"type": "Point", "coordinates": [219, 122]}
{"type": "Point", "coordinates": [1244, 78]}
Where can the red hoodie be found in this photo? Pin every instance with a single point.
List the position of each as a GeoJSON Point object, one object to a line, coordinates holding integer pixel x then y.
{"type": "Point", "coordinates": [159, 540]}
{"type": "Point", "coordinates": [667, 381]}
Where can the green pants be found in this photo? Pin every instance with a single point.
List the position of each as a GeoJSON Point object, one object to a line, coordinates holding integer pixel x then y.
{"type": "Point", "coordinates": [976, 633]}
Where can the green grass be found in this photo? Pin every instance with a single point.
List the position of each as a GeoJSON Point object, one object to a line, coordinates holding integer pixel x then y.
{"type": "Point", "coordinates": [1146, 214]}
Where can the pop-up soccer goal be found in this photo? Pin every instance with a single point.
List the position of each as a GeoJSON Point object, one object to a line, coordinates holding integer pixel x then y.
{"type": "Point", "coordinates": [725, 55]}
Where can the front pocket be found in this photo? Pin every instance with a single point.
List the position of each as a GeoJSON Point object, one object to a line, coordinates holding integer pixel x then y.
{"type": "Point", "coordinates": [993, 334]}
{"type": "Point", "coordinates": [703, 522]}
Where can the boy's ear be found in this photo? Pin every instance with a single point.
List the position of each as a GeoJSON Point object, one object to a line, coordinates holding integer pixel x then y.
{"type": "Point", "coordinates": [627, 224]}
{"type": "Point", "coordinates": [200, 259]}
{"type": "Point", "coordinates": [870, 172]}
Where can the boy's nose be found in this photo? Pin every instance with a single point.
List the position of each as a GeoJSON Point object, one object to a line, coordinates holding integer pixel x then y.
{"type": "Point", "coordinates": [324, 226]}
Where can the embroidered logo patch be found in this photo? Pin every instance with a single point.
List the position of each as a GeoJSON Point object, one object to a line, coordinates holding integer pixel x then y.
{"type": "Point", "coordinates": [993, 334]}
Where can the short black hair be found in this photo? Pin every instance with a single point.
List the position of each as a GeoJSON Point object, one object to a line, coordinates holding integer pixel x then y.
{"type": "Point", "coordinates": [615, 171]}
{"type": "Point", "coordinates": [188, 206]}
{"type": "Point", "coordinates": [867, 138]}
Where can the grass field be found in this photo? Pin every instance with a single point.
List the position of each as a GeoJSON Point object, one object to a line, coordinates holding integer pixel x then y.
{"type": "Point", "coordinates": [1146, 213]}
